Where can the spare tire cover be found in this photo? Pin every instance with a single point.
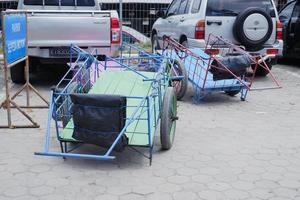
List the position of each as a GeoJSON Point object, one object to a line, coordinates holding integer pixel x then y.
{"type": "Point", "coordinates": [253, 27]}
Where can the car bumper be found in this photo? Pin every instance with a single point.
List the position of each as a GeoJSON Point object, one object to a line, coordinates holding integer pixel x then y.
{"type": "Point", "coordinates": [44, 52]}
{"type": "Point", "coordinates": [278, 45]}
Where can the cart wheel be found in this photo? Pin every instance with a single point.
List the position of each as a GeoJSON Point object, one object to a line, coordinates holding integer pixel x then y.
{"type": "Point", "coordinates": [168, 119]}
{"type": "Point", "coordinates": [232, 93]}
{"type": "Point", "coordinates": [180, 86]}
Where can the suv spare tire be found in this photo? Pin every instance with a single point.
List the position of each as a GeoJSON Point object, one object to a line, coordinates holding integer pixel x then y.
{"type": "Point", "coordinates": [253, 27]}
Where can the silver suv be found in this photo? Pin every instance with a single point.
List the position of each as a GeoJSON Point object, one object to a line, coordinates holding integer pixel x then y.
{"type": "Point", "coordinates": [252, 24]}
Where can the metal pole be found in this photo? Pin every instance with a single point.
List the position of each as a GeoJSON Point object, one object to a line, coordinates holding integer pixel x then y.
{"type": "Point", "coordinates": [7, 99]}
{"type": "Point", "coordinates": [27, 67]}
{"type": "Point", "coordinates": [121, 20]}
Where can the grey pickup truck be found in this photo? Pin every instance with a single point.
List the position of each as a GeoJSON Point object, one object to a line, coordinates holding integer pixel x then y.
{"type": "Point", "coordinates": [53, 25]}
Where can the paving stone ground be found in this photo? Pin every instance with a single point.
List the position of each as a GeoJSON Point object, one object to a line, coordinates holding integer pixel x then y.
{"type": "Point", "coordinates": [224, 149]}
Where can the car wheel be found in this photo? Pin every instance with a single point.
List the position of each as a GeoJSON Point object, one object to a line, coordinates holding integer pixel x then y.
{"type": "Point", "coordinates": [17, 73]}
{"type": "Point", "coordinates": [262, 71]}
{"type": "Point", "coordinates": [155, 44]}
{"type": "Point", "coordinates": [253, 27]}
{"type": "Point", "coordinates": [232, 93]}
{"type": "Point", "coordinates": [185, 44]}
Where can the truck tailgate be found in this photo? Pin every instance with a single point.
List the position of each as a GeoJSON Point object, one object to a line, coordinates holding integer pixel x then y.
{"type": "Point", "coordinates": [62, 28]}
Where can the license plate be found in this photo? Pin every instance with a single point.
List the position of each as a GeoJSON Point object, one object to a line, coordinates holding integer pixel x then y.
{"type": "Point", "coordinates": [61, 52]}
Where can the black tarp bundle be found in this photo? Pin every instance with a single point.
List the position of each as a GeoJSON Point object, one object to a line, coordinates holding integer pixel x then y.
{"type": "Point", "coordinates": [237, 64]}
{"type": "Point", "coordinates": [99, 119]}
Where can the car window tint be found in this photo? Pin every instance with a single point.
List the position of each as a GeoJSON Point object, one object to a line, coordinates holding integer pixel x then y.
{"type": "Point", "coordinates": [296, 12]}
{"type": "Point", "coordinates": [85, 3]}
{"type": "Point", "coordinates": [182, 7]}
{"type": "Point", "coordinates": [287, 11]}
{"type": "Point", "coordinates": [188, 6]}
{"type": "Point", "coordinates": [51, 3]}
{"type": "Point", "coordinates": [173, 9]}
{"type": "Point", "coordinates": [33, 2]}
{"type": "Point", "coordinates": [234, 7]}
{"type": "Point", "coordinates": [196, 6]}
{"type": "Point", "coordinates": [68, 2]}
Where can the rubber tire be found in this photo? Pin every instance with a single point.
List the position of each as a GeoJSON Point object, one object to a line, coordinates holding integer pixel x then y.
{"type": "Point", "coordinates": [33, 64]}
{"type": "Point", "coordinates": [262, 72]}
{"type": "Point", "coordinates": [154, 40]}
{"type": "Point", "coordinates": [184, 82]}
{"type": "Point", "coordinates": [185, 43]}
{"type": "Point", "coordinates": [232, 93]}
{"type": "Point", "coordinates": [238, 28]}
{"type": "Point", "coordinates": [17, 73]}
{"type": "Point", "coordinates": [167, 119]}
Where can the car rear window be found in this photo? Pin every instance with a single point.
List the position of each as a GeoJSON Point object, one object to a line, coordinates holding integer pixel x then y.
{"type": "Point", "coordinates": [234, 7]}
{"type": "Point", "coordinates": [33, 2]}
{"type": "Point", "coordinates": [63, 2]}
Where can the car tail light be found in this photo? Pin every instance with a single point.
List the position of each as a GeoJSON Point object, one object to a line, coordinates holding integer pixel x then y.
{"type": "Point", "coordinates": [200, 30]}
{"type": "Point", "coordinates": [279, 31]}
{"type": "Point", "coordinates": [272, 51]}
{"type": "Point", "coordinates": [212, 51]}
{"type": "Point", "coordinates": [115, 31]}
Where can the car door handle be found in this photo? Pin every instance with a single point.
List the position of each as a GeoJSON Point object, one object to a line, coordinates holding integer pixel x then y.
{"type": "Point", "coordinates": [218, 22]}
{"type": "Point", "coordinates": [170, 21]}
{"type": "Point", "coordinates": [182, 20]}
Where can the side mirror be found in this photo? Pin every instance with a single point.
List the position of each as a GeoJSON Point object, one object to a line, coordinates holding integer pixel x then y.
{"type": "Point", "coordinates": [160, 14]}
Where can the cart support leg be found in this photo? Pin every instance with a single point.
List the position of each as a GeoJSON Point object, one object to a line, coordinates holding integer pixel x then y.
{"type": "Point", "coordinates": [244, 93]}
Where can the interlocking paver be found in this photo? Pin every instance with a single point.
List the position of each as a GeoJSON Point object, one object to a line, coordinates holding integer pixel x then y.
{"type": "Point", "coordinates": [15, 191]}
{"type": "Point", "coordinates": [262, 193]}
{"type": "Point", "coordinates": [160, 196]}
{"type": "Point", "coordinates": [290, 183]}
{"type": "Point", "coordinates": [286, 192]}
{"type": "Point", "coordinates": [119, 190]}
{"type": "Point", "coordinates": [210, 195]}
{"type": "Point", "coordinates": [243, 185]}
{"type": "Point", "coordinates": [185, 195]}
{"type": "Point", "coordinates": [132, 197]}
{"type": "Point", "coordinates": [41, 190]}
{"type": "Point", "coordinates": [266, 184]}
{"type": "Point", "coordinates": [106, 197]}
{"type": "Point", "coordinates": [178, 179]}
{"type": "Point", "coordinates": [144, 189]}
{"type": "Point", "coordinates": [169, 188]}
{"type": "Point", "coordinates": [234, 194]}
{"type": "Point", "coordinates": [218, 186]}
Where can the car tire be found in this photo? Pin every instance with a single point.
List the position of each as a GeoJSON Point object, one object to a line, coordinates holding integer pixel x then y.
{"type": "Point", "coordinates": [262, 71]}
{"type": "Point", "coordinates": [249, 37]}
{"type": "Point", "coordinates": [17, 73]}
{"type": "Point", "coordinates": [232, 93]}
{"type": "Point", "coordinates": [185, 44]}
{"type": "Point", "coordinates": [155, 43]}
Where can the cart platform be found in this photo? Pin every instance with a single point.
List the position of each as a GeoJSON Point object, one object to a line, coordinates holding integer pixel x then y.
{"type": "Point", "coordinates": [198, 77]}
{"type": "Point", "coordinates": [127, 84]}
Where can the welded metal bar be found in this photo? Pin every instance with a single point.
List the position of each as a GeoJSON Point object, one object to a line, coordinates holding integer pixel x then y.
{"type": "Point", "coordinates": [124, 128]}
{"type": "Point", "coordinates": [47, 141]}
{"type": "Point", "coordinates": [73, 155]}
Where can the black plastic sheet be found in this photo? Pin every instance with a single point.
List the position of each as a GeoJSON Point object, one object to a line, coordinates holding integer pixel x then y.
{"type": "Point", "coordinates": [99, 119]}
{"type": "Point", "coordinates": [237, 64]}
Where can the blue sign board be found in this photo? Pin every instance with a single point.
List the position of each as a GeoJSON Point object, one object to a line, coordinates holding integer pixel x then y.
{"type": "Point", "coordinates": [15, 37]}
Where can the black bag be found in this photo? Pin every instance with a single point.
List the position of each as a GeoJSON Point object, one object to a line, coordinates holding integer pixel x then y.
{"type": "Point", "coordinates": [236, 64]}
{"type": "Point", "coordinates": [98, 119]}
